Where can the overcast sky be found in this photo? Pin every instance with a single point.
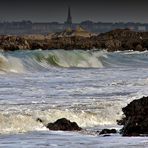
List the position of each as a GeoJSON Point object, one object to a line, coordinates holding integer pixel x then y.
{"type": "Point", "coordinates": [56, 10]}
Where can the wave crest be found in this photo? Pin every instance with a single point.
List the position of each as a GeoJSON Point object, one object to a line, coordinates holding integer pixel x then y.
{"type": "Point", "coordinates": [62, 58]}
{"type": "Point", "coordinates": [22, 61]}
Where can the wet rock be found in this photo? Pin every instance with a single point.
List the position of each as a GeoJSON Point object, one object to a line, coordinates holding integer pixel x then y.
{"type": "Point", "coordinates": [136, 118]}
{"type": "Point", "coordinates": [64, 125]}
{"type": "Point", "coordinates": [108, 131]}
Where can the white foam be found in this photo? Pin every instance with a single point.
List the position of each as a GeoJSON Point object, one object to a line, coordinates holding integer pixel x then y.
{"type": "Point", "coordinates": [16, 120]}
{"type": "Point", "coordinates": [11, 64]}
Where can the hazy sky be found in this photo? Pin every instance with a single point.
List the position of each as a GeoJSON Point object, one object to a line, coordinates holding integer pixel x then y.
{"type": "Point", "coordinates": [56, 10]}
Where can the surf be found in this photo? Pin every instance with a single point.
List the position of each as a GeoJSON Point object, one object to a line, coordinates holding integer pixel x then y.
{"type": "Point", "coordinates": [39, 60]}
{"type": "Point", "coordinates": [24, 119]}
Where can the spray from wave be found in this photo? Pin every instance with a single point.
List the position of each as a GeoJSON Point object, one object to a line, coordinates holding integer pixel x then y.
{"type": "Point", "coordinates": [10, 64]}
{"type": "Point", "coordinates": [86, 116]}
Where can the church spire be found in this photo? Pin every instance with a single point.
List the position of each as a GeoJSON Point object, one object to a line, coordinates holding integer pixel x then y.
{"type": "Point", "coordinates": [69, 18]}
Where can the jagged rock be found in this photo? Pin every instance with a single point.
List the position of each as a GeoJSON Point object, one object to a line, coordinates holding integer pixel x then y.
{"type": "Point", "coordinates": [119, 39]}
{"type": "Point", "coordinates": [64, 125]}
{"type": "Point", "coordinates": [136, 118]}
{"type": "Point", "coordinates": [108, 131]}
{"type": "Point", "coordinates": [113, 44]}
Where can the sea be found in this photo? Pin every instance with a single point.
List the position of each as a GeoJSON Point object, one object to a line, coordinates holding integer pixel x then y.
{"type": "Point", "coordinates": [87, 87]}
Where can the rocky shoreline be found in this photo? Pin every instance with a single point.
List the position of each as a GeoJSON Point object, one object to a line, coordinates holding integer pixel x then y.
{"type": "Point", "coordinates": [116, 40]}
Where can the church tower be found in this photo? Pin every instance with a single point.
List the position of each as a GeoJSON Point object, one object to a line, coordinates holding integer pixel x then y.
{"type": "Point", "coordinates": [69, 18]}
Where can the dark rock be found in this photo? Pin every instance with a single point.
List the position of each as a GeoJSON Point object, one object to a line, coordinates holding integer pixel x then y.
{"type": "Point", "coordinates": [139, 47]}
{"type": "Point", "coordinates": [113, 44]}
{"type": "Point", "coordinates": [39, 120]}
{"type": "Point", "coordinates": [119, 39]}
{"type": "Point", "coordinates": [136, 118]}
{"type": "Point", "coordinates": [64, 125]}
{"type": "Point", "coordinates": [106, 135]}
{"type": "Point", "coordinates": [36, 45]}
{"type": "Point", "coordinates": [108, 131]}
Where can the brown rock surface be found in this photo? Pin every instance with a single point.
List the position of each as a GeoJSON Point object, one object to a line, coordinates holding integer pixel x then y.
{"type": "Point", "coordinates": [119, 39]}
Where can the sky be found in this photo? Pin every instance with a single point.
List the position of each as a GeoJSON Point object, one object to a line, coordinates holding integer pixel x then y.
{"type": "Point", "coordinates": [56, 10]}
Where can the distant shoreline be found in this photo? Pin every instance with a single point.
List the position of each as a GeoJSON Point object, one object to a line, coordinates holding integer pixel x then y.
{"type": "Point", "coordinates": [115, 40]}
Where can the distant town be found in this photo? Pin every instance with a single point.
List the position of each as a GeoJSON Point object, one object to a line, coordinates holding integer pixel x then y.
{"type": "Point", "coordinates": [28, 27]}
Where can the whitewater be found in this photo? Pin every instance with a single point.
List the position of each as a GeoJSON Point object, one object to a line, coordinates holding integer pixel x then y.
{"type": "Point", "coordinates": [88, 87]}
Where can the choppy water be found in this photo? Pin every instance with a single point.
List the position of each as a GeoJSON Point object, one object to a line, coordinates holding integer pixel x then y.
{"type": "Point", "coordinates": [89, 88]}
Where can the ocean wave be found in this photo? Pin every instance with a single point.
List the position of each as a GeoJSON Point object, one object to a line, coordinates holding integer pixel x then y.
{"type": "Point", "coordinates": [86, 116]}
{"type": "Point", "coordinates": [11, 64]}
{"type": "Point", "coordinates": [23, 61]}
{"type": "Point", "coordinates": [37, 60]}
{"type": "Point", "coordinates": [62, 58]}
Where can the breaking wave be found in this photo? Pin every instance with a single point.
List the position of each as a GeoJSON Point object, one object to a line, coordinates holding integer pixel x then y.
{"type": "Point", "coordinates": [36, 60]}
{"type": "Point", "coordinates": [19, 121]}
{"type": "Point", "coordinates": [22, 61]}
{"type": "Point", "coordinates": [10, 64]}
